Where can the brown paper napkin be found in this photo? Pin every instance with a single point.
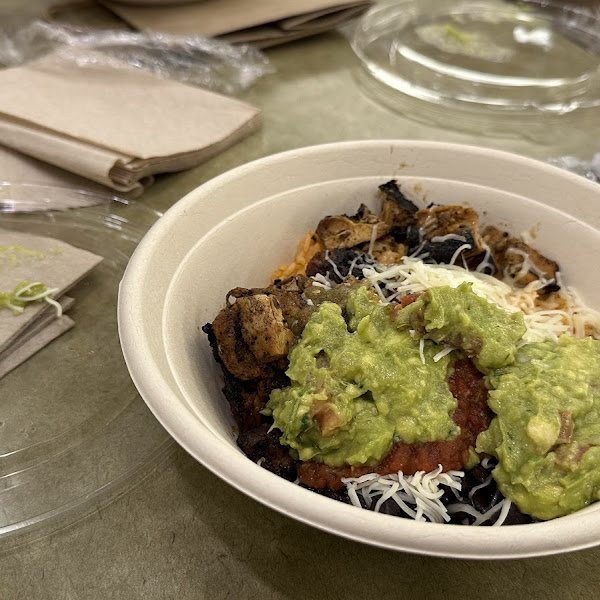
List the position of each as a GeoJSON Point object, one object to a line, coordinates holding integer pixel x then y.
{"type": "Point", "coordinates": [28, 184]}
{"type": "Point", "coordinates": [39, 324]}
{"type": "Point", "coordinates": [115, 126]}
{"type": "Point", "coordinates": [260, 22]}
{"type": "Point", "coordinates": [41, 331]}
{"type": "Point", "coordinates": [35, 343]}
{"type": "Point", "coordinates": [27, 257]}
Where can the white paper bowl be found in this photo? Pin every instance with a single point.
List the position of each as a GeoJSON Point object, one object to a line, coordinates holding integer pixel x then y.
{"type": "Point", "coordinates": [234, 230]}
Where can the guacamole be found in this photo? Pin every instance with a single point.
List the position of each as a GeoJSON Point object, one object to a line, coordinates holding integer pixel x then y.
{"type": "Point", "coordinates": [462, 319]}
{"type": "Point", "coordinates": [359, 384]}
{"type": "Point", "coordinates": [546, 434]}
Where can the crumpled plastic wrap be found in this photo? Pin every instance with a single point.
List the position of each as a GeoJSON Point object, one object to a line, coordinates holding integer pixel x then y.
{"type": "Point", "coordinates": [195, 60]}
{"type": "Point", "coordinates": [589, 169]}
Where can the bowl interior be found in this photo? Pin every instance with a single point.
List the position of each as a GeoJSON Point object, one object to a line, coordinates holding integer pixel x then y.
{"type": "Point", "coordinates": [236, 229]}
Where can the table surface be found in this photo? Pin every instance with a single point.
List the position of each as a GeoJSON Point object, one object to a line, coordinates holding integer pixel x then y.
{"type": "Point", "coordinates": [182, 532]}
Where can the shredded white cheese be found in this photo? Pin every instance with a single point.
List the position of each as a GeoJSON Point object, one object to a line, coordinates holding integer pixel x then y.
{"type": "Point", "coordinates": [373, 238]}
{"type": "Point", "coordinates": [442, 353]}
{"type": "Point", "coordinates": [418, 495]}
{"type": "Point", "coordinates": [485, 463]}
{"type": "Point", "coordinates": [480, 486]}
{"type": "Point", "coordinates": [46, 296]}
{"type": "Point", "coordinates": [352, 265]}
{"type": "Point", "coordinates": [459, 251]}
{"type": "Point", "coordinates": [421, 348]}
{"type": "Point", "coordinates": [506, 504]}
{"type": "Point", "coordinates": [449, 236]}
{"type": "Point", "coordinates": [486, 263]}
{"type": "Point", "coordinates": [334, 266]}
{"type": "Point", "coordinates": [322, 281]}
{"type": "Point", "coordinates": [502, 507]}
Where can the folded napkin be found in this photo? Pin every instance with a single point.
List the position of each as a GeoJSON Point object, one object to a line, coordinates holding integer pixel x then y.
{"type": "Point", "coordinates": [35, 337]}
{"type": "Point", "coordinates": [33, 258]}
{"type": "Point", "coordinates": [260, 22]}
{"type": "Point", "coordinates": [37, 325]}
{"type": "Point", "coordinates": [28, 184]}
{"type": "Point", "coordinates": [115, 126]}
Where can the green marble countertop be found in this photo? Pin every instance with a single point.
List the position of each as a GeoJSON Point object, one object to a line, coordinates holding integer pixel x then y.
{"type": "Point", "coordinates": [180, 532]}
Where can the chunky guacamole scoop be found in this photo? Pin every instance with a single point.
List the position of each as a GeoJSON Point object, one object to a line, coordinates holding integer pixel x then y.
{"type": "Point", "coordinates": [358, 385]}
{"type": "Point", "coordinates": [546, 434]}
{"type": "Point", "coordinates": [462, 319]}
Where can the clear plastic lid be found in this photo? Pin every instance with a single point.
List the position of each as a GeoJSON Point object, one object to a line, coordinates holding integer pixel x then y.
{"type": "Point", "coordinates": [484, 55]}
{"type": "Point", "coordinates": [72, 425]}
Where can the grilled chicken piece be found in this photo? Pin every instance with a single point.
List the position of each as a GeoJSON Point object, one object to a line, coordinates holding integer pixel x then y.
{"type": "Point", "coordinates": [345, 232]}
{"type": "Point", "coordinates": [251, 333]}
{"type": "Point", "coordinates": [288, 292]}
{"type": "Point", "coordinates": [295, 284]}
{"type": "Point", "coordinates": [440, 221]}
{"type": "Point", "coordinates": [263, 327]}
{"type": "Point", "coordinates": [247, 397]}
{"type": "Point", "coordinates": [396, 209]}
{"type": "Point", "coordinates": [516, 259]}
{"type": "Point", "coordinates": [232, 349]}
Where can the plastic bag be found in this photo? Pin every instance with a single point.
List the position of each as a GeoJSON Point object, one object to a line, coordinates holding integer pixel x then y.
{"type": "Point", "coordinates": [589, 169]}
{"type": "Point", "coordinates": [195, 60]}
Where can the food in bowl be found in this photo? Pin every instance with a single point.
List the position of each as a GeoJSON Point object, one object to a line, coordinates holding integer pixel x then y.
{"type": "Point", "coordinates": [378, 371]}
